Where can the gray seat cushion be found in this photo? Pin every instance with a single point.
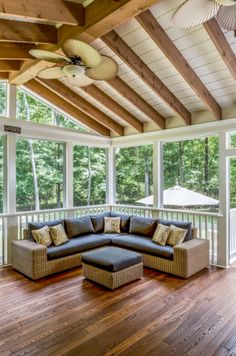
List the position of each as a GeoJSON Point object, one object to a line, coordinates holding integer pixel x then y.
{"type": "Point", "coordinates": [112, 259]}
{"type": "Point", "coordinates": [181, 225]}
{"type": "Point", "coordinates": [145, 245]}
{"type": "Point", "coordinates": [38, 225]}
{"type": "Point", "coordinates": [78, 226]}
{"type": "Point", "coordinates": [142, 226]}
{"type": "Point", "coordinates": [76, 245]}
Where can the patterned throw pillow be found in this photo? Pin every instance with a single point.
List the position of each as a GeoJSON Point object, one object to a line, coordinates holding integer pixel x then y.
{"type": "Point", "coordinates": [112, 225]}
{"type": "Point", "coordinates": [176, 236]}
{"type": "Point", "coordinates": [58, 235]}
{"type": "Point", "coordinates": [42, 236]}
{"type": "Point", "coordinates": [161, 234]}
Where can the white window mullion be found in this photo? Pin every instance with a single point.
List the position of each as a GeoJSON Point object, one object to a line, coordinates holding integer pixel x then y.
{"type": "Point", "coordinates": [111, 177]}
{"type": "Point", "coordinates": [157, 175]}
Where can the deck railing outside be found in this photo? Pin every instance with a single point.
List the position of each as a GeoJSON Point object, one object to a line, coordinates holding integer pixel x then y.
{"type": "Point", "coordinates": [12, 225]}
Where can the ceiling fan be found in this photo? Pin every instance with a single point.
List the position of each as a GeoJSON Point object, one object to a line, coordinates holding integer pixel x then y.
{"type": "Point", "coordinates": [195, 12]}
{"type": "Point", "coordinates": [81, 64]}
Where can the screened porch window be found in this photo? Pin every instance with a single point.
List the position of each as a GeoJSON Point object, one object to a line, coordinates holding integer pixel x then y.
{"type": "Point", "coordinates": [89, 175]}
{"type": "Point", "coordinates": [30, 108]}
{"type": "Point", "coordinates": [134, 179]}
{"type": "Point", "coordinates": [190, 167]}
{"type": "Point", "coordinates": [39, 174]}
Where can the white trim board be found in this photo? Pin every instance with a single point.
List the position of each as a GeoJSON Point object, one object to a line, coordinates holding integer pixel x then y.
{"type": "Point", "coordinates": [49, 132]}
{"type": "Point", "coordinates": [179, 133]}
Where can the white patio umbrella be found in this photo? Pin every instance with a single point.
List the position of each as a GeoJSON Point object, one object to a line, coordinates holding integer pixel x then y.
{"type": "Point", "coordinates": [180, 196]}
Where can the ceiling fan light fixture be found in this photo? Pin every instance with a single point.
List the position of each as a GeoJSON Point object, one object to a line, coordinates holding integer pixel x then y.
{"type": "Point", "coordinates": [74, 71]}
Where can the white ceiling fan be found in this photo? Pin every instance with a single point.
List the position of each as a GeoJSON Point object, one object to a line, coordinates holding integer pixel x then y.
{"type": "Point", "coordinates": [195, 12]}
{"type": "Point", "coordinates": [81, 64]}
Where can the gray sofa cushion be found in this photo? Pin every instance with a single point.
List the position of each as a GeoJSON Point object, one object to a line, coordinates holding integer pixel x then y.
{"type": "Point", "coordinates": [124, 221]}
{"type": "Point", "coordinates": [38, 225]}
{"type": "Point", "coordinates": [145, 245]}
{"type": "Point", "coordinates": [77, 245]}
{"type": "Point", "coordinates": [111, 258]}
{"type": "Point", "coordinates": [181, 225]}
{"type": "Point", "coordinates": [142, 226]}
{"type": "Point", "coordinates": [98, 221]}
{"type": "Point", "coordinates": [78, 226]}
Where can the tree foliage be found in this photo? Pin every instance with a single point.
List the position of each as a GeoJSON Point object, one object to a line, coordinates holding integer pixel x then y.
{"type": "Point", "coordinates": [133, 173]}
{"type": "Point", "coordinates": [89, 175]}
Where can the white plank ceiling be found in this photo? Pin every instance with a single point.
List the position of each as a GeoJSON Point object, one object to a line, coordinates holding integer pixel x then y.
{"type": "Point", "coordinates": [196, 47]}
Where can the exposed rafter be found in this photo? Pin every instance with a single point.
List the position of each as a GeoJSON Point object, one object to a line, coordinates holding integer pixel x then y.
{"type": "Point", "coordinates": [17, 51]}
{"type": "Point", "coordinates": [4, 75]}
{"type": "Point", "coordinates": [128, 93]}
{"type": "Point", "coordinates": [162, 40]}
{"type": "Point", "coordinates": [74, 99]}
{"type": "Point", "coordinates": [51, 11]}
{"type": "Point", "coordinates": [218, 38]}
{"type": "Point", "coordinates": [116, 43]}
{"type": "Point", "coordinates": [57, 101]}
{"type": "Point", "coordinates": [100, 17]}
{"type": "Point", "coordinates": [15, 31]}
{"type": "Point", "coordinates": [112, 105]}
{"type": "Point", "coordinates": [9, 66]}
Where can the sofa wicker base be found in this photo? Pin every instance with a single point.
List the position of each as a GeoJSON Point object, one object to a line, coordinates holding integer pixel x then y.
{"type": "Point", "coordinates": [113, 280]}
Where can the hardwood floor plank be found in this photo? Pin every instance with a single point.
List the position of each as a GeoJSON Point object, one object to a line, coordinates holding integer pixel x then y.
{"type": "Point", "coordinates": [156, 315]}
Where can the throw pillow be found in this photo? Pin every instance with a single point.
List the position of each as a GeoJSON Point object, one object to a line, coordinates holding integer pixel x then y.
{"type": "Point", "coordinates": [42, 236]}
{"type": "Point", "coordinates": [176, 236]}
{"type": "Point", "coordinates": [161, 234]}
{"type": "Point", "coordinates": [58, 235]}
{"type": "Point", "coordinates": [112, 225]}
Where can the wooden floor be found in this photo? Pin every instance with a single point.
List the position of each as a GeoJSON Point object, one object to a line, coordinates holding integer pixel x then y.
{"type": "Point", "coordinates": [157, 315]}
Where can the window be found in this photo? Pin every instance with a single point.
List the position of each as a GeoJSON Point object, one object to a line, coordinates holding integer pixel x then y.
{"type": "Point", "coordinates": [32, 109]}
{"type": "Point", "coordinates": [134, 179]}
{"type": "Point", "coordinates": [3, 98]}
{"type": "Point", "coordinates": [192, 164]}
{"type": "Point", "coordinates": [39, 174]}
{"type": "Point", "coordinates": [89, 176]}
{"type": "Point", "coordinates": [2, 138]}
{"type": "Point", "coordinates": [232, 140]}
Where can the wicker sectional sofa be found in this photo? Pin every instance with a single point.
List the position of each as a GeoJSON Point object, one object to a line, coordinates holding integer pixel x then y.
{"type": "Point", "coordinates": [86, 233]}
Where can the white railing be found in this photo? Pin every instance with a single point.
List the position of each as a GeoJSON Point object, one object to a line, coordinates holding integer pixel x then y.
{"type": "Point", "coordinates": [12, 225]}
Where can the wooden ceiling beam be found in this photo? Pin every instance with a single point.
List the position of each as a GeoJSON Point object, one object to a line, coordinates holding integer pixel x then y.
{"type": "Point", "coordinates": [128, 93]}
{"type": "Point", "coordinates": [15, 51]}
{"type": "Point", "coordinates": [222, 45]}
{"type": "Point", "coordinates": [51, 11]}
{"type": "Point", "coordinates": [55, 100]}
{"type": "Point", "coordinates": [118, 45]}
{"type": "Point", "coordinates": [25, 32]}
{"type": "Point", "coordinates": [112, 105]}
{"type": "Point", "coordinates": [162, 40]}
{"type": "Point", "coordinates": [100, 17]}
{"type": "Point", "coordinates": [4, 75]}
{"type": "Point", "coordinates": [9, 66]}
{"type": "Point", "coordinates": [74, 99]}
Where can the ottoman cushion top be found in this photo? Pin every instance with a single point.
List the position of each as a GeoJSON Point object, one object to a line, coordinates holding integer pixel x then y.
{"type": "Point", "coordinates": [112, 259]}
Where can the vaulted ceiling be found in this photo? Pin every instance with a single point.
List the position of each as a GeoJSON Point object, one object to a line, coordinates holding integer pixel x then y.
{"type": "Point", "coordinates": [167, 77]}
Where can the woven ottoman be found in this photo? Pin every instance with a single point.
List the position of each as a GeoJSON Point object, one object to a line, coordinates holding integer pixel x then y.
{"type": "Point", "coordinates": [112, 266]}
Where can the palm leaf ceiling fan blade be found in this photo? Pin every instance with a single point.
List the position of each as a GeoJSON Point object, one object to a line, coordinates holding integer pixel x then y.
{"type": "Point", "coordinates": [49, 56]}
{"type": "Point", "coordinates": [51, 73]}
{"type": "Point", "coordinates": [194, 12]}
{"type": "Point", "coordinates": [226, 2]}
{"type": "Point", "coordinates": [89, 55]}
{"type": "Point", "coordinates": [226, 17]}
{"type": "Point", "coordinates": [107, 69]}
